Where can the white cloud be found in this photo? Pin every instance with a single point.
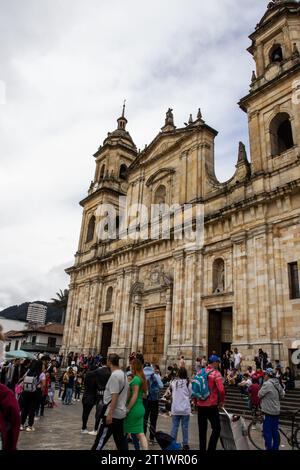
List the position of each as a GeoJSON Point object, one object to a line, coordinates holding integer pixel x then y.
{"type": "Point", "coordinates": [67, 66]}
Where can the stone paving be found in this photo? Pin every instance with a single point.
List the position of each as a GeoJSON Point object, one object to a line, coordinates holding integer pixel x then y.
{"type": "Point", "coordinates": [60, 428]}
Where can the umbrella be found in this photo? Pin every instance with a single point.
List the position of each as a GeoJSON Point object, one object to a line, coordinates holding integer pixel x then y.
{"type": "Point", "coordinates": [19, 354]}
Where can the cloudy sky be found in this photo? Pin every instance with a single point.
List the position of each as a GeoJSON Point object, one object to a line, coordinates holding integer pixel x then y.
{"type": "Point", "coordinates": [66, 66]}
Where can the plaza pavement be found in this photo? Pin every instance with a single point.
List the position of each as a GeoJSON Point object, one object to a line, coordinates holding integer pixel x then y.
{"type": "Point", "coordinates": [60, 429]}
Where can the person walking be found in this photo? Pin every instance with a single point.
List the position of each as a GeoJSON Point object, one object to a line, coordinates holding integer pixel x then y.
{"type": "Point", "coordinates": [181, 390]}
{"type": "Point", "coordinates": [134, 421]}
{"type": "Point", "coordinates": [30, 394]}
{"type": "Point", "coordinates": [208, 407]}
{"type": "Point", "coordinates": [114, 410]}
{"type": "Point", "coordinates": [151, 403]}
{"type": "Point", "coordinates": [69, 380]}
{"type": "Point", "coordinates": [270, 395]}
{"type": "Point", "coordinates": [101, 376]}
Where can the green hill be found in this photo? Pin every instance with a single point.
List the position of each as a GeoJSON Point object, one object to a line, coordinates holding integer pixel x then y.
{"type": "Point", "coordinates": [19, 312]}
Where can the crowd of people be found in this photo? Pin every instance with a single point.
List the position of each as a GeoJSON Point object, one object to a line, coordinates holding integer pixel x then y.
{"type": "Point", "coordinates": [127, 401]}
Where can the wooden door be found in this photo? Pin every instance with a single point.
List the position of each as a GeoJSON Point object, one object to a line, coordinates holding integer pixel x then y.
{"type": "Point", "coordinates": [214, 332]}
{"type": "Point", "coordinates": [154, 334]}
{"type": "Point", "coordinates": [106, 338]}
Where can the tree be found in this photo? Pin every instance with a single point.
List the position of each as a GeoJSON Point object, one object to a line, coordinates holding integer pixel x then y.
{"type": "Point", "coordinates": [61, 302]}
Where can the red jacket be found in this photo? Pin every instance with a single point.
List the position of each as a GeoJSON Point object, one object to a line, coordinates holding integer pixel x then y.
{"type": "Point", "coordinates": [216, 387]}
{"type": "Point", "coordinates": [9, 418]}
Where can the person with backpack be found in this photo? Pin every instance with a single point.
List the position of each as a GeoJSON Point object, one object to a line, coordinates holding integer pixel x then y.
{"type": "Point", "coordinates": [208, 393]}
{"type": "Point", "coordinates": [270, 395]}
{"type": "Point", "coordinates": [30, 394]}
{"type": "Point", "coordinates": [181, 390]}
{"type": "Point", "coordinates": [151, 403]}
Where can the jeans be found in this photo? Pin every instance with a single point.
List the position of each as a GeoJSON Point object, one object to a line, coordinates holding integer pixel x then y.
{"type": "Point", "coordinates": [184, 426]}
{"type": "Point", "coordinates": [51, 392]}
{"type": "Point", "coordinates": [69, 393]}
{"type": "Point", "coordinates": [271, 433]}
{"type": "Point", "coordinates": [211, 414]}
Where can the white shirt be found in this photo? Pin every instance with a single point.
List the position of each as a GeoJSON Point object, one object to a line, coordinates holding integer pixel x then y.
{"type": "Point", "coordinates": [237, 359]}
{"type": "Point", "coordinates": [181, 394]}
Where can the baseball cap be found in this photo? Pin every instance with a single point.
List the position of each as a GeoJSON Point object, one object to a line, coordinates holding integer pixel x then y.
{"type": "Point", "coordinates": [270, 372]}
{"type": "Point", "coordinates": [214, 358]}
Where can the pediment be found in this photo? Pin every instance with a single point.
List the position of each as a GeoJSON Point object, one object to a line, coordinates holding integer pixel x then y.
{"type": "Point", "coordinates": [162, 143]}
{"type": "Point", "coordinates": [159, 174]}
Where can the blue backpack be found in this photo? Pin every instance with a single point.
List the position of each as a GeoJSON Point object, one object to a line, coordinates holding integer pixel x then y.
{"type": "Point", "coordinates": [153, 389]}
{"type": "Point", "coordinates": [200, 388]}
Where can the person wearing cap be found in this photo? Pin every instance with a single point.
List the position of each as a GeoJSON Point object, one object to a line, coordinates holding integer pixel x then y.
{"type": "Point", "coordinates": [270, 395]}
{"type": "Point", "coordinates": [208, 410]}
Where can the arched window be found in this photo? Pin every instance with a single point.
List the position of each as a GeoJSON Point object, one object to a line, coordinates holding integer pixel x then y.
{"type": "Point", "coordinates": [160, 195]}
{"type": "Point", "coordinates": [281, 134]}
{"type": "Point", "coordinates": [91, 229]}
{"type": "Point", "coordinates": [218, 276]}
{"type": "Point", "coordinates": [276, 54]}
{"type": "Point", "coordinates": [102, 172]}
{"type": "Point", "coordinates": [123, 172]}
{"type": "Point", "coordinates": [108, 302]}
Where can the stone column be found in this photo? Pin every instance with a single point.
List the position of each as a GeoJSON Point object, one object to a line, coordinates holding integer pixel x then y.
{"type": "Point", "coordinates": [141, 329]}
{"type": "Point", "coordinates": [178, 298]}
{"type": "Point", "coordinates": [82, 344]}
{"type": "Point", "coordinates": [183, 180]}
{"type": "Point", "coordinates": [240, 326]}
{"type": "Point", "coordinates": [136, 325]}
{"type": "Point", "coordinates": [118, 308]}
{"type": "Point", "coordinates": [96, 341]}
{"type": "Point", "coordinates": [168, 324]}
{"type": "Point", "coordinates": [68, 319]}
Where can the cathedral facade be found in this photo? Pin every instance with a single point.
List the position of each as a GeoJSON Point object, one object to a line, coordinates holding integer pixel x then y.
{"type": "Point", "coordinates": [240, 287]}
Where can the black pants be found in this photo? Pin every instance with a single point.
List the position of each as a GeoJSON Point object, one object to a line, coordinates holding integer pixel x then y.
{"type": "Point", "coordinates": [88, 402]}
{"type": "Point", "coordinates": [29, 406]}
{"type": "Point", "coordinates": [115, 430]}
{"type": "Point", "coordinates": [211, 414]}
{"type": "Point", "coordinates": [151, 411]}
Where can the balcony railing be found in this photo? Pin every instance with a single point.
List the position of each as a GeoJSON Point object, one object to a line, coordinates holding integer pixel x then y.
{"type": "Point", "coordinates": [40, 347]}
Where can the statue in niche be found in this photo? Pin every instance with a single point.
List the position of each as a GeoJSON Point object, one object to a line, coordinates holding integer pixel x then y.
{"type": "Point", "coordinates": [218, 276]}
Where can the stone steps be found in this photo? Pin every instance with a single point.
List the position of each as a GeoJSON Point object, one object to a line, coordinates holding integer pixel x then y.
{"type": "Point", "coordinates": [236, 404]}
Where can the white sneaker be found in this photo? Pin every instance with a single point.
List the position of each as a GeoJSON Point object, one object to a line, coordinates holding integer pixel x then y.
{"type": "Point", "coordinates": [29, 429]}
{"type": "Point", "coordinates": [84, 431]}
{"type": "Point", "coordinates": [21, 428]}
{"type": "Point", "coordinates": [93, 433]}
{"type": "Point", "coordinates": [78, 399]}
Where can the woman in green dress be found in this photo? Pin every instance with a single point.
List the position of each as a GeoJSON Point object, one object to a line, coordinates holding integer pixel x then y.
{"type": "Point", "coordinates": [134, 421]}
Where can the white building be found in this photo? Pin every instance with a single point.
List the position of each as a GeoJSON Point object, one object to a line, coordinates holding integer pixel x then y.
{"type": "Point", "coordinates": [15, 325]}
{"type": "Point", "coordinates": [43, 339]}
{"type": "Point", "coordinates": [36, 313]}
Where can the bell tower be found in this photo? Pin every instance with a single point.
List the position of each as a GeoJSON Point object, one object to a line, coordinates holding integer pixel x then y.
{"type": "Point", "coordinates": [273, 103]}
